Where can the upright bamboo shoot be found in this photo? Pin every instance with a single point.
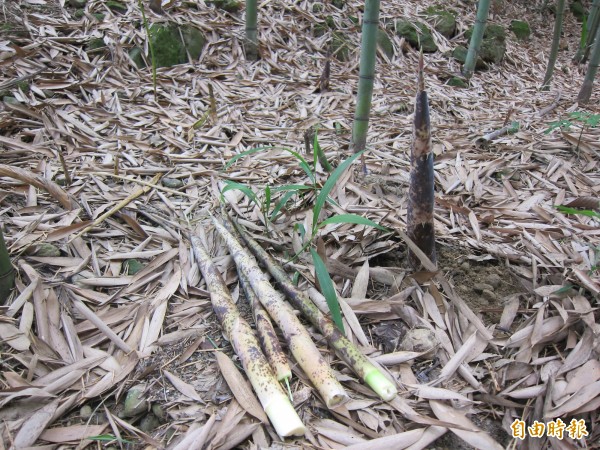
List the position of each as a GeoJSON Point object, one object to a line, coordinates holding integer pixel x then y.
{"type": "Point", "coordinates": [421, 189]}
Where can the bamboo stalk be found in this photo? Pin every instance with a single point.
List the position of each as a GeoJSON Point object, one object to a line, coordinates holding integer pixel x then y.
{"type": "Point", "coordinates": [251, 30]}
{"type": "Point", "coordinates": [299, 341]}
{"type": "Point", "coordinates": [558, 23]}
{"type": "Point", "coordinates": [420, 227]}
{"type": "Point", "coordinates": [368, 51]}
{"type": "Point", "coordinates": [483, 8]}
{"type": "Point", "coordinates": [336, 340]}
{"type": "Point", "coordinates": [586, 88]}
{"type": "Point", "coordinates": [266, 333]}
{"type": "Point", "coordinates": [273, 399]}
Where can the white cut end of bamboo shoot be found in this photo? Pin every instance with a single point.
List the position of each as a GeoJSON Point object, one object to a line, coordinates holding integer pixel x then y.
{"type": "Point", "coordinates": [284, 418]}
{"type": "Point", "coordinates": [381, 385]}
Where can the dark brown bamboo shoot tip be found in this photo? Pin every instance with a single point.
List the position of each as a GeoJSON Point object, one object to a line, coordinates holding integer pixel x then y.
{"type": "Point", "coordinates": [420, 76]}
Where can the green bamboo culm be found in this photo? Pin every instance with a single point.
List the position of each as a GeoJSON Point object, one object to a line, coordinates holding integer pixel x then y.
{"type": "Point", "coordinates": [251, 30]}
{"type": "Point", "coordinates": [368, 49]}
{"type": "Point", "coordinates": [591, 26]}
{"type": "Point", "coordinates": [586, 88]}
{"type": "Point", "coordinates": [560, 9]}
{"type": "Point", "coordinates": [7, 272]}
{"type": "Point", "coordinates": [483, 8]}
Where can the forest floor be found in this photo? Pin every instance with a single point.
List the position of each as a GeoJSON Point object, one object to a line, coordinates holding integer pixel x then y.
{"type": "Point", "coordinates": [511, 313]}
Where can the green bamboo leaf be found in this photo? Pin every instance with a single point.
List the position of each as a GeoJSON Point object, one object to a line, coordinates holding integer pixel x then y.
{"type": "Point", "coordinates": [281, 203]}
{"type": "Point", "coordinates": [564, 290]}
{"type": "Point", "coordinates": [329, 184]}
{"type": "Point", "coordinates": [318, 154]}
{"type": "Point", "coordinates": [303, 164]}
{"type": "Point", "coordinates": [267, 204]}
{"type": "Point", "coordinates": [352, 218]}
{"type": "Point", "coordinates": [581, 212]}
{"type": "Point", "coordinates": [244, 154]}
{"type": "Point", "coordinates": [108, 438]}
{"type": "Point", "coordinates": [232, 186]}
{"type": "Point", "coordinates": [301, 230]}
{"type": "Point", "coordinates": [328, 290]}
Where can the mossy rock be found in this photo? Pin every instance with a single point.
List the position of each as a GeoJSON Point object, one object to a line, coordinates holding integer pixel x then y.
{"type": "Point", "coordinates": [444, 22]}
{"type": "Point", "coordinates": [77, 3]}
{"type": "Point", "coordinates": [493, 46]}
{"type": "Point", "coordinates": [578, 11]}
{"type": "Point", "coordinates": [458, 82]}
{"type": "Point", "coordinates": [10, 100]}
{"type": "Point", "coordinates": [116, 7]}
{"type": "Point", "coordinates": [194, 41]}
{"type": "Point", "coordinates": [417, 35]}
{"type": "Point", "coordinates": [11, 32]}
{"type": "Point", "coordinates": [133, 266]}
{"type": "Point", "coordinates": [520, 29]}
{"type": "Point", "coordinates": [169, 49]}
{"type": "Point", "coordinates": [492, 31]}
{"type": "Point", "coordinates": [460, 54]}
{"type": "Point", "coordinates": [322, 28]}
{"type": "Point", "coordinates": [339, 46]}
{"type": "Point", "coordinates": [95, 44]}
{"type": "Point", "coordinates": [230, 6]}
{"type": "Point", "coordinates": [24, 86]}
{"type": "Point", "coordinates": [385, 44]}
{"type": "Point", "coordinates": [137, 57]}
{"type": "Point", "coordinates": [317, 7]}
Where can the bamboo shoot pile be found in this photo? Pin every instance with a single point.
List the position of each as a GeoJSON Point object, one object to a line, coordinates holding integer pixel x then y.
{"type": "Point", "coordinates": [299, 299]}
{"type": "Point", "coordinates": [273, 399]}
{"type": "Point", "coordinates": [305, 352]}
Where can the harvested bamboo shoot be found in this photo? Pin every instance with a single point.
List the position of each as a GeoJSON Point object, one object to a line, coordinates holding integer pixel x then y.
{"type": "Point", "coordinates": [273, 399]}
{"type": "Point", "coordinates": [299, 341]}
{"type": "Point", "coordinates": [351, 354]}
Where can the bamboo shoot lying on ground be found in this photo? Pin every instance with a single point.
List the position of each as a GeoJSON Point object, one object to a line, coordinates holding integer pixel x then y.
{"type": "Point", "coordinates": [351, 354]}
{"type": "Point", "coordinates": [266, 333]}
{"type": "Point", "coordinates": [299, 341]}
{"type": "Point", "coordinates": [273, 399]}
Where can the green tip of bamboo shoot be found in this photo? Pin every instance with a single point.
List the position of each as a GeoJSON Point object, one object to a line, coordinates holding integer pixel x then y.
{"type": "Point", "coordinates": [284, 418]}
{"type": "Point", "coordinates": [381, 385]}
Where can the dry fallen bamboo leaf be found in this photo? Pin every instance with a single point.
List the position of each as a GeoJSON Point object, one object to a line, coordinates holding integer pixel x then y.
{"type": "Point", "coordinates": [472, 434]}
{"type": "Point", "coordinates": [361, 282]}
{"type": "Point", "coordinates": [41, 183]}
{"type": "Point", "coordinates": [35, 425]}
{"type": "Point", "coordinates": [399, 441]}
{"type": "Point", "coordinates": [238, 385]}
{"type": "Point", "coordinates": [183, 387]}
{"type": "Point", "coordinates": [195, 437]}
{"type": "Point", "coordinates": [71, 433]}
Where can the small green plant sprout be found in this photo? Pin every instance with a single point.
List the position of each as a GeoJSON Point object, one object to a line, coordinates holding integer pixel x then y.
{"type": "Point", "coordinates": [264, 202]}
{"type": "Point", "coordinates": [585, 119]}
{"type": "Point", "coordinates": [328, 290]}
{"type": "Point", "coordinates": [581, 212]}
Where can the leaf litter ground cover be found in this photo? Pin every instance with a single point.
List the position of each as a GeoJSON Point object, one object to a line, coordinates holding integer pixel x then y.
{"type": "Point", "coordinates": [87, 328]}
